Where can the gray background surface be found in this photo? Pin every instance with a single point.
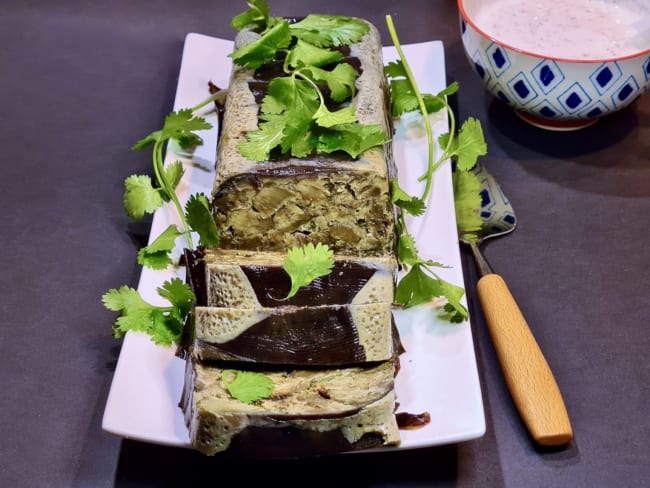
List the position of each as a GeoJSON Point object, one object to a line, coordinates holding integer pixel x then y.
{"type": "Point", "coordinates": [81, 81]}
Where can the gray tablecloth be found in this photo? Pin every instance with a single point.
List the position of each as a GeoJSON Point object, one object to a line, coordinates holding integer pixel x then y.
{"type": "Point", "coordinates": [81, 81]}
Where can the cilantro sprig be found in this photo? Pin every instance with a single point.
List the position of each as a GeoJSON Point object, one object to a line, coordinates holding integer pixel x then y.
{"type": "Point", "coordinates": [294, 114]}
{"type": "Point", "coordinates": [258, 14]}
{"type": "Point", "coordinates": [142, 196]}
{"type": "Point", "coordinates": [421, 284]}
{"type": "Point", "coordinates": [164, 324]}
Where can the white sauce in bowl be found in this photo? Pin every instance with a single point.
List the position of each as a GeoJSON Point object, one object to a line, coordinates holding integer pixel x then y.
{"type": "Point", "coordinates": [570, 29]}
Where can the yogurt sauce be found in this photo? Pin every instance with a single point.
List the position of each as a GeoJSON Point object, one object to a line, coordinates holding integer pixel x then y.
{"type": "Point", "coordinates": [575, 29]}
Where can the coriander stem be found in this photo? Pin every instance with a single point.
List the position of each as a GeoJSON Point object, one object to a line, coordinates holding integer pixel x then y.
{"type": "Point", "coordinates": [158, 165]}
{"type": "Point", "coordinates": [216, 96]}
{"type": "Point", "coordinates": [321, 99]}
{"type": "Point", "coordinates": [427, 123]}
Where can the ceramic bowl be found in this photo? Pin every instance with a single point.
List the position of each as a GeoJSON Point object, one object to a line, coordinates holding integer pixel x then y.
{"type": "Point", "coordinates": [550, 91]}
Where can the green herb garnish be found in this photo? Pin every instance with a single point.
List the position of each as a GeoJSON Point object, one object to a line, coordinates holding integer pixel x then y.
{"type": "Point", "coordinates": [294, 114]}
{"type": "Point", "coordinates": [247, 386]}
{"type": "Point", "coordinates": [157, 254]}
{"type": "Point", "coordinates": [305, 264]}
{"type": "Point", "coordinates": [163, 324]}
{"type": "Point", "coordinates": [421, 284]}
{"type": "Point", "coordinates": [467, 202]}
{"type": "Point", "coordinates": [141, 196]}
{"type": "Point", "coordinates": [258, 14]}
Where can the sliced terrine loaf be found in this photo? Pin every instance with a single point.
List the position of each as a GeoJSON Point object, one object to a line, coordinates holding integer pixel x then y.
{"type": "Point", "coordinates": [285, 201]}
{"type": "Point", "coordinates": [310, 412]}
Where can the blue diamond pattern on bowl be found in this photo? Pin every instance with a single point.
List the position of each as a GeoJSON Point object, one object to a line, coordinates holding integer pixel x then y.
{"type": "Point", "coordinates": [486, 215]}
{"type": "Point", "coordinates": [574, 98]}
{"type": "Point", "coordinates": [480, 70]}
{"type": "Point", "coordinates": [498, 91]}
{"type": "Point", "coordinates": [521, 89]}
{"type": "Point", "coordinates": [548, 75]}
{"type": "Point", "coordinates": [486, 202]}
{"type": "Point", "coordinates": [605, 76]}
{"type": "Point", "coordinates": [546, 109]}
{"type": "Point", "coordinates": [509, 219]}
{"type": "Point", "coordinates": [498, 59]}
{"type": "Point", "coordinates": [625, 91]}
{"type": "Point", "coordinates": [595, 110]}
{"type": "Point", "coordinates": [646, 69]}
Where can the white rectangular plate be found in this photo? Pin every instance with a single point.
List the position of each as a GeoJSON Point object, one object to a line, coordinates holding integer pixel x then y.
{"type": "Point", "coordinates": [438, 370]}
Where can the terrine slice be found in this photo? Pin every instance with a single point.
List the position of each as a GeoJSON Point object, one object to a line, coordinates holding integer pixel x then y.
{"type": "Point", "coordinates": [327, 335]}
{"type": "Point", "coordinates": [310, 412]}
{"type": "Point", "coordinates": [246, 279]}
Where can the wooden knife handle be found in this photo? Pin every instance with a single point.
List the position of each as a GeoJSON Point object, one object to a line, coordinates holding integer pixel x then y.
{"type": "Point", "coordinates": [528, 375]}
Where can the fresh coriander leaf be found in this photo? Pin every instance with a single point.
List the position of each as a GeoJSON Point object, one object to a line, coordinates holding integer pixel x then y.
{"type": "Point", "coordinates": [297, 96]}
{"type": "Point", "coordinates": [306, 54]}
{"type": "Point", "coordinates": [325, 118]}
{"type": "Point", "coordinates": [404, 98]}
{"type": "Point", "coordinates": [453, 315]}
{"type": "Point", "coordinates": [182, 124]}
{"type": "Point", "coordinates": [354, 139]}
{"type": "Point", "coordinates": [467, 202]}
{"type": "Point", "coordinates": [262, 50]}
{"type": "Point", "coordinates": [173, 174]}
{"type": "Point", "coordinates": [433, 103]}
{"type": "Point", "coordinates": [395, 69]}
{"type": "Point", "coordinates": [123, 299]}
{"type": "Point", "coordinates": [454, 294]}
{"type": "Point", "coordinates": [417, 288]}
{"type": "Point", "coordinates": [201, 221]}
{"type": "Point", "coordinates": [247, 386]}
{"type": "Point", "coordinates": [435, 264]}
{"type": "Point", "coordinates": [189, 142]}
{"type": "Point", "coordinates": [178, 125]}
{"type": "Point", "coordinates": [451, 89]}
{"type": "Point", "coordinates": [340, 80]}
{"type": "Point", "coordinates": [272, 106]}
{"type": "Point", "coordinates": [412, 205]}
{"type": "Point", "coordinates": [163, 324]}
{"type": "Point", "coordinates": [471, 144]}
{"type": "Point", "coordinates": [157, 254]}
{"type": "Point", "coordinates": [444, 140]}
{"type": "Point", "coordinates": [407, 250]}
{"type": "Point", "coordinates": [140, 197]}
{"type": "Point", "coordinates": [302, 142]}
{"type": "Point", "coordinates": [329, 30]}
{"type": "Point", "coordinates": [301, 100]}
{"type": "Point", "coordinates": [305, 264]}
{"type": "Point", "coordinates": [179, 294]}
{"type": "Point", "coordinates": [150, 139]}
{"type": "Point", "coordinates": [136, 314]}
{"type": "Point", "coordinates": [259, 143]}
{"type": "Point", "coordinates": [258, 14]}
